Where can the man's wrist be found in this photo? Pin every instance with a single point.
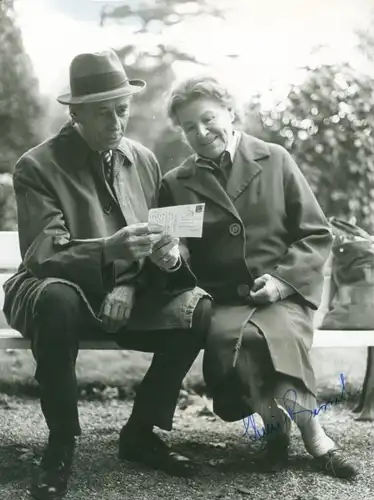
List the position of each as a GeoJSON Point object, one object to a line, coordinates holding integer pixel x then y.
{"type": "Point", "coordinates": [108, 256]}
{"type": "Point", "coordinates": [121, 290]}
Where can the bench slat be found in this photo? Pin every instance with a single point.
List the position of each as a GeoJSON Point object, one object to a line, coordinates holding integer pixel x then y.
{"type": "Point", "coordinates": [343, 338]}
{"type": "Point", "coordinates": [10, 339]}
{"type": "Point", "coordinates": [10, 255]}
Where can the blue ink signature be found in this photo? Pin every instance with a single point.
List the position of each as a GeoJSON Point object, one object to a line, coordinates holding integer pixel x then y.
{"type": "Point", "coordinates": [291, 395]}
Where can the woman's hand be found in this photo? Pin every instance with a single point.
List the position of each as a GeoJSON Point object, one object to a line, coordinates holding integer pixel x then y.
{"type": "Point", "coordinates": [166, 253]}
{"type": "Point", "coordinates": [268, 289]}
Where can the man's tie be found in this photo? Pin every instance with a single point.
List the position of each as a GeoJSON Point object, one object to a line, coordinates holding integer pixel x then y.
{"type": "Point", "coordinates": [107, 157]}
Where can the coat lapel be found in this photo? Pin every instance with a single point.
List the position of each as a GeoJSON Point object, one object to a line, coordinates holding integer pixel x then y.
{"type": "Point", "coordinates": [128, 188]}
{"type": "Point", "coordinates": [245, 167]}
{"type": "Point", "coordinates": [203, 181]}
{"type": "Point", "coordinates": [244, 170]}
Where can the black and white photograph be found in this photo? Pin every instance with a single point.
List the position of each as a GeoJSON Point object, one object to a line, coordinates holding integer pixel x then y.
{"type": "Point", "coordinates": [186, 249]}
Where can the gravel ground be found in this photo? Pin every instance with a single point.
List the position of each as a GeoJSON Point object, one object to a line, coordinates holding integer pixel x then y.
{"type": "Point", "coordinates": [227, 471]}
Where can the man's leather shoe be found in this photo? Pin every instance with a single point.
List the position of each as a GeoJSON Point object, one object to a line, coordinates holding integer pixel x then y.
{"type": "Point", "coordinates": [51, 481]}
{"type": "Point", "coordinates": [148, 449]}
{"type": "Point", "coordinates": [335, 464]}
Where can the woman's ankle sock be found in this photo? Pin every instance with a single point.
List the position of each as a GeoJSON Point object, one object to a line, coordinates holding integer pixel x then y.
{"type": "Point", "coordinates": [316, 442]}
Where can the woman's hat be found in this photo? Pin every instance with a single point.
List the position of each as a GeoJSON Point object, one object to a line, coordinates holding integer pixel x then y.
{"type": "Point", "coordinates": [98, 76]}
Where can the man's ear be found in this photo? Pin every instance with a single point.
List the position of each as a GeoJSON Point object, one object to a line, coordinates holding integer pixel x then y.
{"type": "Point", "coordinates": [232, 115]}
{"type": "Point", "coordinates": [73, 114]}
{"type": "Point", "coordinates": [73, 111]}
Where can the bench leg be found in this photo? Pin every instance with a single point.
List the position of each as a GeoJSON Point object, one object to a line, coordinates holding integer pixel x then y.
{"type": "Point", "coordinates": [366, 404]}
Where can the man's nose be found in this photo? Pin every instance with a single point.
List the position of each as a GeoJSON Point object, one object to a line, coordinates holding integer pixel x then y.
{"type": "Point", "coordinates": [114, 121]}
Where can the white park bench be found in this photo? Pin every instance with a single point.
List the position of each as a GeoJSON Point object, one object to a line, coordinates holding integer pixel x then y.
{"type": "Point", "coordinates": [10, 339]}
{"type": "Point", "coordinates": [10, 259]}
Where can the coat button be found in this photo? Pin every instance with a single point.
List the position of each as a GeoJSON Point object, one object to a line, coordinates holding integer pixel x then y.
{"type": "Point", "coordinates": [235, 229]}
{"type": "Point", "coordinates": [243, 290]}
{"type": "Point", "coordinates": [108, 209]}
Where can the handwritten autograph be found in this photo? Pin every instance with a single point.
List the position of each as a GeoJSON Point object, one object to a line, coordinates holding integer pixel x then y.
{"type": "Point", "coordinates": [291, 395]}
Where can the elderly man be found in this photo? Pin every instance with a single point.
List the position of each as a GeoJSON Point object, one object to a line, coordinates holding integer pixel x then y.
{"type": "Point", "coordinates": [92, 267]}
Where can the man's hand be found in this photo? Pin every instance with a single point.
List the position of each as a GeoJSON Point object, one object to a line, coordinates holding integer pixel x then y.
{"type": "Point", "coordinates": [265, 290]}
{"type": "Point", "coordinates": [132, 243]}
{"type": "Point", "coordinates": [116, 307]}
{"type": "Point", "coordinates": [166, 252]}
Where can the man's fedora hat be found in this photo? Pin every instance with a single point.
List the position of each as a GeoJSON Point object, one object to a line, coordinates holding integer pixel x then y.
{"type": "Point", "coordinates": [98, 76]}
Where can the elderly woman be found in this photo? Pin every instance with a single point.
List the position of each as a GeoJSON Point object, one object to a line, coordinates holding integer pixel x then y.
{"type": "Point", "coordinates": [265, 241]}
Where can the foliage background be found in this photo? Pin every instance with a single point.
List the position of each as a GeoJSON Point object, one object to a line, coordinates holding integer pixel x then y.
{"type": "Point", "coordinates": [326, 123]}
{"type": "Point", "coordinates": [23, 121]}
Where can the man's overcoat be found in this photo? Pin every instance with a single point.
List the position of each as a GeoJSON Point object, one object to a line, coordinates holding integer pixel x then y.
{"type": "Point", "coordinates": [65, 211]}
{"type": "Point", "coordinates": [267, 220]}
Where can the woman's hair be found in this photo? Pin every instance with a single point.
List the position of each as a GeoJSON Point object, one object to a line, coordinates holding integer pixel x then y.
{"type": "Point", "coordinates": [193, 88]}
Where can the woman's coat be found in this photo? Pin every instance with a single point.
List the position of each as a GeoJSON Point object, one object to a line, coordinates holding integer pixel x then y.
{"type": "Point", "coordinates": [266, 221]}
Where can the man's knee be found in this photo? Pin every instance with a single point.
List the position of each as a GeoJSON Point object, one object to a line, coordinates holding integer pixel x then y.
{"type": "Point", "coordinates": [57, 316]}
{"type": "Point", "coordinates": [58, 299]}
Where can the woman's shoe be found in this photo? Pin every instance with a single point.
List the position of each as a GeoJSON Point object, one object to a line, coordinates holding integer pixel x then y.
{"type": "Point", "coordinates": [336, 464]}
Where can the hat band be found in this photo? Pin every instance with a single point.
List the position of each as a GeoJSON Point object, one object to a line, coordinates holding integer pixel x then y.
{"type": "Point", "coordinates": [95, 84]}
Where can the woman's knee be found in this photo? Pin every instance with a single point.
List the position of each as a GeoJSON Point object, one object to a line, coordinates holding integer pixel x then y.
{"type": "Point", "coordinates": [202, 315]}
